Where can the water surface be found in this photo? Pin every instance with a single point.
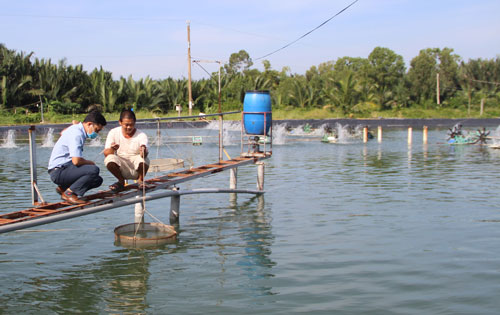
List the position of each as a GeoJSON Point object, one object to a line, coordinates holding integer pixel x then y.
{"type": "Point", "coordinates": [346, 228]}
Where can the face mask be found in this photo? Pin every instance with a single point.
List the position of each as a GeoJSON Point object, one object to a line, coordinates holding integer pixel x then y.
{"type": "Point", "coordinates": [92, 135]}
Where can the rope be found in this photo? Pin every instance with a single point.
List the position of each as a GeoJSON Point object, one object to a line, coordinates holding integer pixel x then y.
{"type": "Point", "coordinates": [143, 192]}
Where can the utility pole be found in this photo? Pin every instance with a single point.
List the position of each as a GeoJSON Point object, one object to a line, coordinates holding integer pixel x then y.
{"type": "Point", "coordinates": [437, 89]}
{"type": "Point", "coordinates": [190, 101]}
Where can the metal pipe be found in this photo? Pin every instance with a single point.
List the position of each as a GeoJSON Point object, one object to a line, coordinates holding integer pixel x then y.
{"type": "Point", "coordinates": [379, 135]}
{"type": "Point", "coordinates": [425, 134]}
{"type": "Point", "coordinates": [117, 204]}
{"type": "Point", "coordinates": [410, 130]}
{"type": "Point", "coordinates": [38, 192]}
{"type": "Point", "coordinates": [183, 117]}
{"type": "Point", "coordinates": [32, 141]}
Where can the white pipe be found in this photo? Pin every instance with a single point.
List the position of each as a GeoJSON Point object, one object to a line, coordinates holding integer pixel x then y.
{"type": "Point", "coordinates": [233, 178]}
{"type": "Point", "coordinates": [138, 210]}
{"type": "Point", "coordinates": [260, 175]}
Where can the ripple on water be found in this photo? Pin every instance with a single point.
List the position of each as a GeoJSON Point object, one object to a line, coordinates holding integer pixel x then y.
{"type": "Point", "coordinates": [375, 228]}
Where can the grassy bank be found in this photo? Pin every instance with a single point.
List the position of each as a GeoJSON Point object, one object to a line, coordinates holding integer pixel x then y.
{"type": "Point", "coordinates": [8, 119]}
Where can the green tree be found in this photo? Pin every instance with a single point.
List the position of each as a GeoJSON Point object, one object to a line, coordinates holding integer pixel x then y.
{"type": "Point", "coordinates": [385, 70]}
{"type": "Point", "coordinates": [238, 62]}
{"type": "Point", "coordinates": [423, 72]}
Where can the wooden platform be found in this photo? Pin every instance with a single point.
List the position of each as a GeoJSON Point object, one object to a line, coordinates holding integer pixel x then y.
{"type": "Point", "coordinates": [107, 197]}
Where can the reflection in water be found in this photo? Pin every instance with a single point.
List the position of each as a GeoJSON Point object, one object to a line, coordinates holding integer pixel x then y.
{"type": "Point", "coordinates": [117, 284]}
{"type": "Point", "coordinates": [409, 155]}
{"type": "Point", "coordinates": [128, 282]}
{"type": "Point", "coordinates": [121, 282]}
{"type": "Point", "coordinates": [256, 232]}
{"type": "Point", "coordinates": [255, 238]}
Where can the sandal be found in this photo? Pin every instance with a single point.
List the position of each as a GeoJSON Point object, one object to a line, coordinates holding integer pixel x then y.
{"type": "Point", "coordinates": [116, 187]}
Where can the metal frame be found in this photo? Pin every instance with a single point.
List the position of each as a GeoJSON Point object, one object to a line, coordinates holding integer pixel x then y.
{"type": "Point", "coordinates": [245, 138]}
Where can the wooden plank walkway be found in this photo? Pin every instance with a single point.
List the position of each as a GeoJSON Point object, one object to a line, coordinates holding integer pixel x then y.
{"type": "Point", "coordinates": [107, 197]}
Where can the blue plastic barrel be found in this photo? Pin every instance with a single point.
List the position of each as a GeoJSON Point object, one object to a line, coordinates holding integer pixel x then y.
{"type": "Point", "coordinates": [255, 104]}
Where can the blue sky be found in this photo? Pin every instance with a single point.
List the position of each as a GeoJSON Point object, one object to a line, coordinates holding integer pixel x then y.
{"type": "Point", "coordinates": [141, 38]}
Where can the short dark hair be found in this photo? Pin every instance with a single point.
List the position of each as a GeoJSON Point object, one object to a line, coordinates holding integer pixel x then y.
{"type": "Point", "coordinates": [95, 117]}
{"type": "Point", "coordinates": [127, 114]}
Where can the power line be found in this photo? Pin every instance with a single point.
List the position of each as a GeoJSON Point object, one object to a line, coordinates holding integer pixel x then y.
{"type": "Point", "coordinates": [293, 42]}
{"type": "Point", "coordinates": [489, 82]}
{"type": "Point", "coordinates": [202, 67]}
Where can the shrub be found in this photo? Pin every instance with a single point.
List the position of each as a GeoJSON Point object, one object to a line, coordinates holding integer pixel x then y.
{"type": "Point", "coordinates": [65, 108]}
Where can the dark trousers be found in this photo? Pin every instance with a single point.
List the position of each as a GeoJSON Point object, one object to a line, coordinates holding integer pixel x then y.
{"type": "Point", "coordinates": [77, 178]}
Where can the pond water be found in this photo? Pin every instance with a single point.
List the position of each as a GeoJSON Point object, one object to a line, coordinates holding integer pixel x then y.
{"type": "Point", "coordinates": [347, 228]}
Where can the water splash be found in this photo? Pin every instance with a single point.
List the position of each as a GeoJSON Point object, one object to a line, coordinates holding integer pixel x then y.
{"type": "Point", "coordinates": [232, 131]}
{"type": "Point", "coordinates": [9, 139]}
{"type": "Point", "coordinates": [96, 142]}
{"type": "Point", "coordinates": [347, 133]}
{"type": "Point", "coordinates": [230, 137]}
{"type": "Point", "coordinates": [344, 134]}
{"type": "Point", "coordinates": [48, 141]}
{"type": "Point", "coordinates": [496, 136]}
{"type": "Point", "coordinates": [279, 134]}
{"type": "Point", "coordinates": [306, 130]}
{"type": "Point", "coordinates": [231, 125]}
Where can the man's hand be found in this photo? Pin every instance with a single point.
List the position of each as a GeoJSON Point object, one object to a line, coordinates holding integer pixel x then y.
{"type": "Point", "coordinates": [111, 150]}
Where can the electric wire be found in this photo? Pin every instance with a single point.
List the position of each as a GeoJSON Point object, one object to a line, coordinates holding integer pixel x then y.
{"type": "Point", "coordinates": [293, 42]}
{"type": "Point", "coordinates": [482, 81]}
{"type": "Point", "coordinates": [197, 63]}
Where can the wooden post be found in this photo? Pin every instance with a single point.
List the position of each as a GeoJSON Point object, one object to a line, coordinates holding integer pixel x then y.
{"type": "Point", "coordinates": [482, 107]}
{"type": "Point", "coordinates": [410, 130]}
{"type": "Point", "coordinates": [379, 134]}
{"type": "Point", "coordinates": [365, 134]}
{"type": "Point", "coordinates": [425, 135]}
{"type": "Point", "coordinates": [190, 95]}
{"type": "Point", "coordinates": [260, 175]}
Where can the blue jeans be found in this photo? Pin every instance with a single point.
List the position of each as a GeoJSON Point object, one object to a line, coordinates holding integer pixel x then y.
{"type": "Point", "coordinates": [77, 178]}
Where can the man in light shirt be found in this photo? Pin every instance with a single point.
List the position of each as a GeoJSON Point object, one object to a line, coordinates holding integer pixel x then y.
{"type": "Point", "coordinates": [67, 167]}
{"type": "Point", "coordinates": [126, 152]}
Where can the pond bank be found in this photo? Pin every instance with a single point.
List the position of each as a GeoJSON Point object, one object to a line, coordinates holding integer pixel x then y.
{"type": "Point", "coordinates": [395, 123]}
